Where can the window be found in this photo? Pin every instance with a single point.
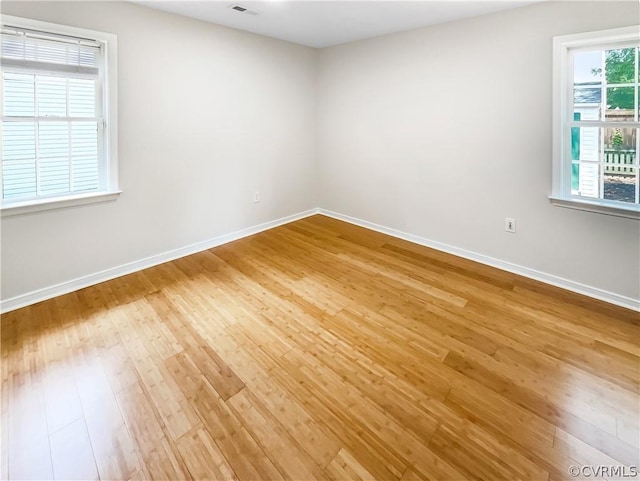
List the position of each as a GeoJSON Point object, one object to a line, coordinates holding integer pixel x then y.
{"type": "Point", "coordinates": [59, 144]}
{"type": "Point", "coordinates": [596, 124]}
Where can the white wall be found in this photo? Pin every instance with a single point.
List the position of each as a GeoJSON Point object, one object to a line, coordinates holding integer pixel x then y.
{"type": "Point", "coordinates": [207, 116]}
{"type": "Point", "coordinates": [442, 132]}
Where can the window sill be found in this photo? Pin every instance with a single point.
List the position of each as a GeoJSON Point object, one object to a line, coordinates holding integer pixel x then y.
{"type": "Point", "coordinates": [599, 207]}
{"type": "Point", "coordinates": [19, 208]}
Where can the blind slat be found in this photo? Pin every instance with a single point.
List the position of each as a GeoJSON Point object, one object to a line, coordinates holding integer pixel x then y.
{"type": "Point", "coordinates": [49, 158]}
{"type": "Point", "coordinates": [19, 46]}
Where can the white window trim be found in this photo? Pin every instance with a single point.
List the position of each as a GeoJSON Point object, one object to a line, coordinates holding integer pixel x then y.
{"type": "Point", "coordinates": [110, 107]}
{"type": "Point", "coordinates": [58, 202]}
{"type": "Point", "coordinates": [562, 95]}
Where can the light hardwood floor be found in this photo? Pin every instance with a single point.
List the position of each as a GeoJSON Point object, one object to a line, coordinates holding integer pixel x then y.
{"type": "Point", "coordinates": [318, 350]}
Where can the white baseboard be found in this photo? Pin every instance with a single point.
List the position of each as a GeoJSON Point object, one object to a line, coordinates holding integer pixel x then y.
{"type": "Point", "coordinates": [108, 274]}
{"type": "Point", "coordinates": [596, 293]}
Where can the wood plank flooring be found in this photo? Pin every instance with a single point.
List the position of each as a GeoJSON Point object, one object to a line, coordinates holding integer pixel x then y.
{"type": "Point", "coordinates": [319, 350]}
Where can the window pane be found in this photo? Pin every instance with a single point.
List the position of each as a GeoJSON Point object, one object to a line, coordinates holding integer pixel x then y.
{"type": "Point", "coordinates": [18, 95]}
{"type": "Point", "coordinates": [54, 157]}
{"type": "Point", "coordinates": [620, 65]}
{"type": "Point", "coordinates": [82, 97]}
{"type": "Point", "coordinates": [587, 84]}
{"type": "Point", "coordinates": [589, 180]}
{"type": "Point", "coordinates": [587, 103]}
{"type": "Point", "coordinates": [587, 67]}
{"type": "Point", "coordinates": [51, 95]}
{"type": "Point", "coordinates": [585, 143]}
{"type": "Point", "coordinates": [620, 187]}
{"type": "Point", "coordinates": [620, 168]}
{"type": "Point", "coordinates": [18, 159]}
{"type": "Point", "coordinates": [619, 142]}
{"type": "Point", "coordinates": [620, 104]}
{"type": "Point", "coordinates": [84, 156]}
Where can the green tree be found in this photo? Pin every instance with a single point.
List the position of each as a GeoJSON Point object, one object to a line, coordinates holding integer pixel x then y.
{"type": "Point", "coordinates": [617, 139]}
{"type": "Point", "coordinates": [619, 68]}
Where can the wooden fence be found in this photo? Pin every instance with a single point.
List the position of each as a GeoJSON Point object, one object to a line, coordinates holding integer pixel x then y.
{"type": "Point", "coordinates": [619, 161]}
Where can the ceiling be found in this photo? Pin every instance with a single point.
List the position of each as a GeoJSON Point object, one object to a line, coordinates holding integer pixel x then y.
{"type": "Point", "coordinates": [327, 23]}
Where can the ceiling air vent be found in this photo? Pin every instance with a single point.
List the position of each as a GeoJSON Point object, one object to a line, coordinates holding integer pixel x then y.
{"type": "Point", "coordinates": [241, 9]}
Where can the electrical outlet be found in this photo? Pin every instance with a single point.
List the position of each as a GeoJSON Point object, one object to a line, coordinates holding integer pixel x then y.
{"type": "Point", "coordinates": [256, 197]}
{"type": "Point", "coordinates": [510, 225]}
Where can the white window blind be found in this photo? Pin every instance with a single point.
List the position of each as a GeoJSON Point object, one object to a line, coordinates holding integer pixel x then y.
{"type": "Point", "coordinates": [52, 119]}
{"type": "Point", "coordinates": [42, 48]}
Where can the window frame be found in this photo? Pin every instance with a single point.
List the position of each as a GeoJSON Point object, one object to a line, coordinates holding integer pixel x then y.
{"type": "Point", "coordinates": [562, 117]}
{"type": "Point", "coordinates": [108, 166]}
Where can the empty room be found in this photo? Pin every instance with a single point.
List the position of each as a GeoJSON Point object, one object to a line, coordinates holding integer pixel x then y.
{"type": "Point", "coordinates": [333, 240]}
